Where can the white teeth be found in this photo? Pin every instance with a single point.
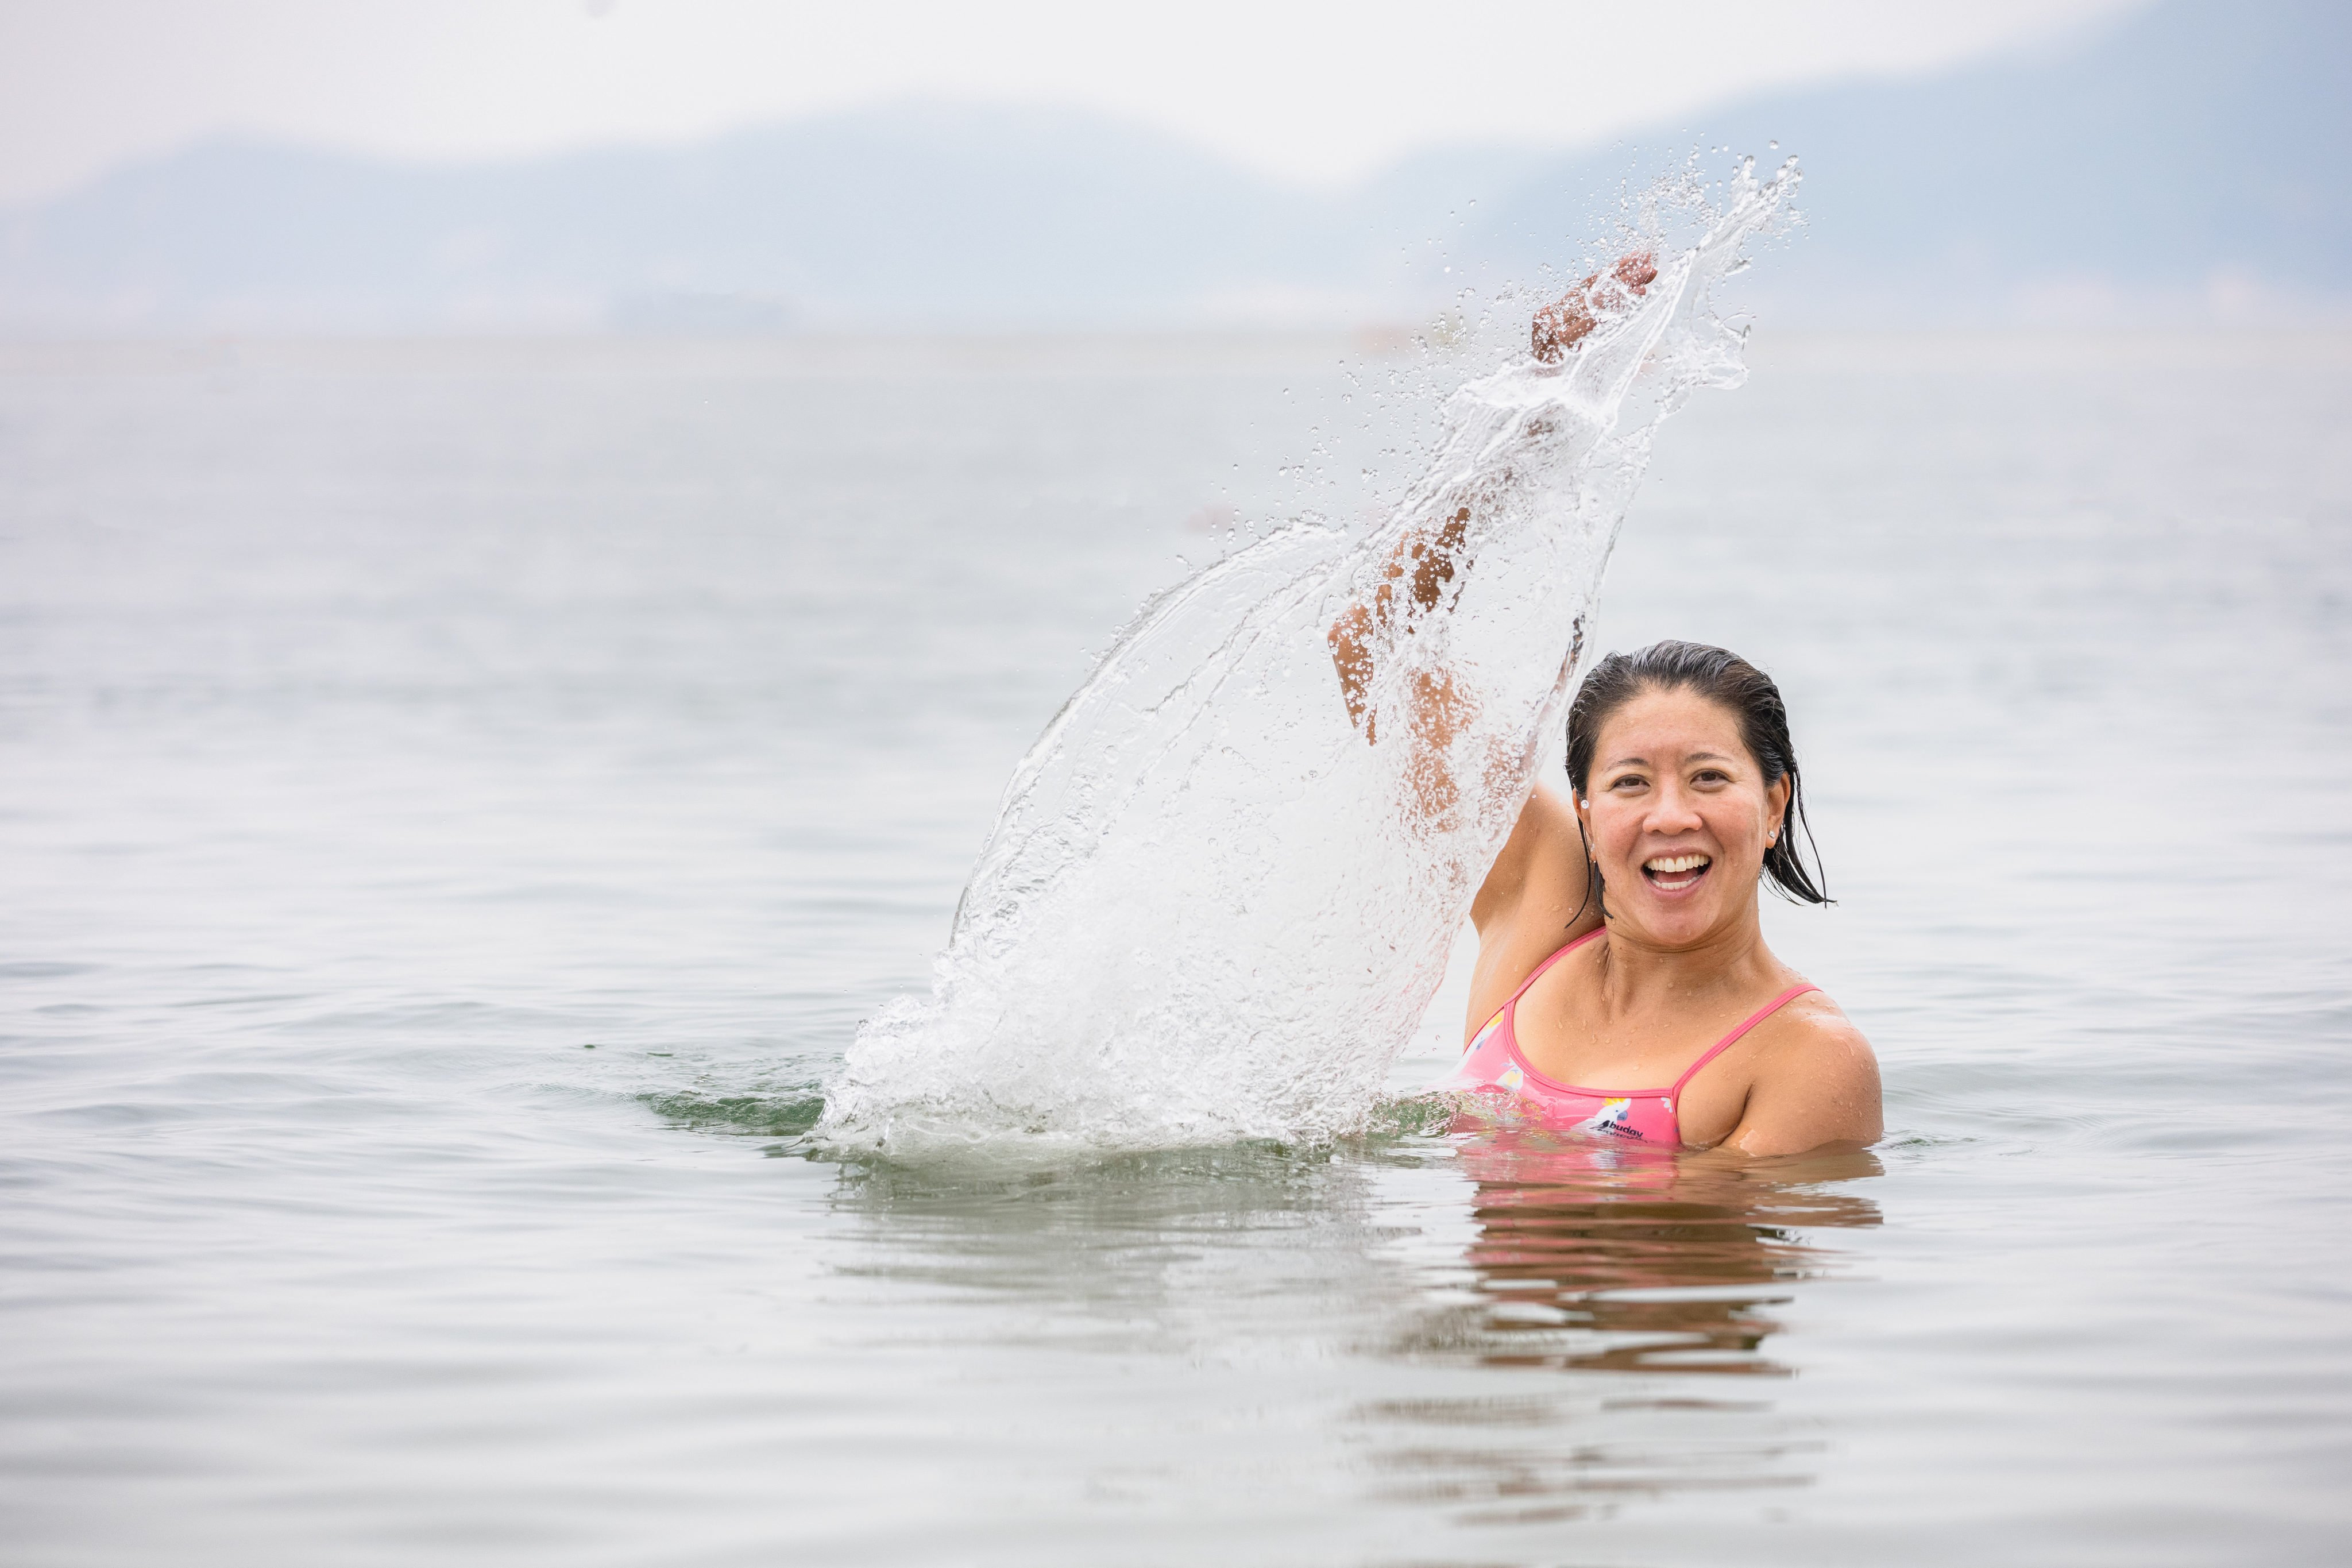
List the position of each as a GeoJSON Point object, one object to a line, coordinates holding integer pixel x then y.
{"type": "Point", "coordinates": [1667, 865]}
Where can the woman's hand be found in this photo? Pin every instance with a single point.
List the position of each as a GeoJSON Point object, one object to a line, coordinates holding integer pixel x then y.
{"type": "Point", "coordinates": [1435, 709]}
{"type": "Point", "coordinates": [1561, 324]}
{"type": "Point", "coordinates": [1424, 563]}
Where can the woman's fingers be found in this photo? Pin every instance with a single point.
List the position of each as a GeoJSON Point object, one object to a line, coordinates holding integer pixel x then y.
{"type": "Point", "coordinates": [1559, 325]}
{"type": "Point", "coordinates": [1637, 270]}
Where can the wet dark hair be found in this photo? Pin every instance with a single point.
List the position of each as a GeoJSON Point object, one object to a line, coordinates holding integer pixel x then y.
{"type": "Point", "coordinates": [1724, 677]}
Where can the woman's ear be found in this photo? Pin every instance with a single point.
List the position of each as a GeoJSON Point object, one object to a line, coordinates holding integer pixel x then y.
{"type": "Point", "coordinates": [1775, 806]}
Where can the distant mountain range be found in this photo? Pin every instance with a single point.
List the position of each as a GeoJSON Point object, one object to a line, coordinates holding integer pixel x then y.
{"type": "Point", "coordinates": [2186, 160]}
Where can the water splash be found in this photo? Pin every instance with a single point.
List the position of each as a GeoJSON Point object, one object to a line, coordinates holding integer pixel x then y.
{"type": "Point", "coordinates": [1212, 908]}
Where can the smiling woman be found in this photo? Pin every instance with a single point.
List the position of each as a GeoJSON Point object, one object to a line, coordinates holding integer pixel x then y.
{"type": "Point", "coordinates": [1687, 798]}
{"type": "Point", "coordinates": [1619, 941]}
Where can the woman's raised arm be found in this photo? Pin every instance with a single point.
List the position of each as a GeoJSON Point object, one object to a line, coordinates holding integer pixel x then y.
{"type": "Point", "coordinates": [1532, 898]}
{"type": "Point", "coordinates": [1424, 562]}
{"type": "Point", "coordinates": [1421, 566]}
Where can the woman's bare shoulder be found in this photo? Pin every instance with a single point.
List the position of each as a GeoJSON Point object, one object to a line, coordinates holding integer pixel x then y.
{"type": "Point", "coordinates": [1815, 1022]}
{"type": "Point", "coordinates": [1815, 1083]}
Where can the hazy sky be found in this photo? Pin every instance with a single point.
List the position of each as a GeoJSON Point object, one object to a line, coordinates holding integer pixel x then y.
{"type": "Point", "coordinates": [1317, 91]}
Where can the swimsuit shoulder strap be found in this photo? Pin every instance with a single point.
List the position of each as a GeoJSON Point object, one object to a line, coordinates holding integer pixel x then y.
{"type": "Point", "coordinates": [1725, 1044]}
{"type": "Point", "coordinates": [1558, 954]}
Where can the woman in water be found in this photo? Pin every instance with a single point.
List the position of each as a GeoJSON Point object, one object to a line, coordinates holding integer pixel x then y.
{"type": "Point", "coordinates": [1624, 987]}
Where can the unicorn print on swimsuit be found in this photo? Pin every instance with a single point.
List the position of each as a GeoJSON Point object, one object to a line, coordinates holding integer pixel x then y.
{"type": "Point", "coordinates": [1614, 1118]}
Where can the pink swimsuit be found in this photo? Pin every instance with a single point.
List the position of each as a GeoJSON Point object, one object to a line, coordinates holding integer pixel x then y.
{"type": "Point", "coordinates": [1646, 1115]}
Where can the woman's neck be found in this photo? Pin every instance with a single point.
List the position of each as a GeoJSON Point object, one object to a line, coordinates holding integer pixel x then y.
{"type": "Point", "coordinates": [1637, 973]}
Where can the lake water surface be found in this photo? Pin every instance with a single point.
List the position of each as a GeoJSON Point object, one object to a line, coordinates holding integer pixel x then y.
{"type": "Point", "coordinates": [457, 801]}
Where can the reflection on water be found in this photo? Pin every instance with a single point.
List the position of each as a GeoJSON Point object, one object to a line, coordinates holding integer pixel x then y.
{"type": "Point", "coordinates": [1623, 1267]}
{"type": "Point", "coordinates": [1460, 1274]}
{"type": "Point", "coordinates": [1602, 1259]}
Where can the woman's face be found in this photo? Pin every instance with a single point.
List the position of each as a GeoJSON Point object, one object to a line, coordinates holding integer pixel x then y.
{"type": "Point", "coordinates": [1677, 817]}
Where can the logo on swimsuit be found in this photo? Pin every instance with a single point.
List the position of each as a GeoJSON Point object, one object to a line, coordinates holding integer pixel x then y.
{"type": "Point", "coordinates": [1611, 1119]}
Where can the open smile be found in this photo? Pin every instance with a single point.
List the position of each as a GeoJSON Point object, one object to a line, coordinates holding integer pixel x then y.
{"type": "Point", "coordinates": [1675, 873]}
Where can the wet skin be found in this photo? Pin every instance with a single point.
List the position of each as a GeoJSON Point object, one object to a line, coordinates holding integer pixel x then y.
{"type": "Point", "coordinates": [1678, 818]}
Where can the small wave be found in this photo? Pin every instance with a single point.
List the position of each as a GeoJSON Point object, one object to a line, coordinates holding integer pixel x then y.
{"type": "Point", "coordinates": [787, 1115]}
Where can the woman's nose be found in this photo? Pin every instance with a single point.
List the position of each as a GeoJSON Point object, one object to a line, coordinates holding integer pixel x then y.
{"type": "Point", "coordinates": [1672, 811]}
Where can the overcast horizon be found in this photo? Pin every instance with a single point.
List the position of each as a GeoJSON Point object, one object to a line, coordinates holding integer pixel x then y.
{"type": "Point", "coordinates": [1284, 91]}
{"type": "Point", "coordinates": [2171, 161]}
